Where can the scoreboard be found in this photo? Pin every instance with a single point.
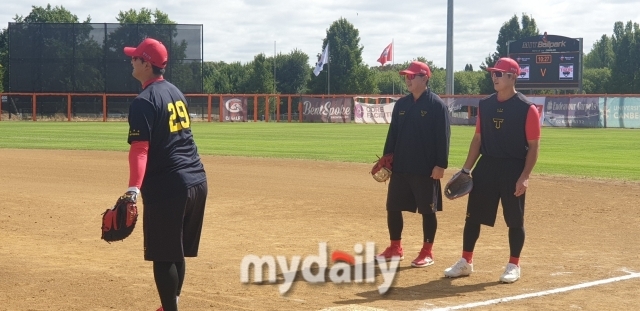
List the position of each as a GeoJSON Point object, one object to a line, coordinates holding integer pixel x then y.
{"type": "Point", "coordinates": [548, 62]}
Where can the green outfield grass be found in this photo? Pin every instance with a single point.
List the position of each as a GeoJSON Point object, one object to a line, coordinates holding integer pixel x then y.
{"type": "Point", "coordinates": [600, 153]}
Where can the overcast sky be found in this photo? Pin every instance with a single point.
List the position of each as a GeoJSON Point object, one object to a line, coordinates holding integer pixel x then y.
{"type": "Point", "coordinates": [237, 30]}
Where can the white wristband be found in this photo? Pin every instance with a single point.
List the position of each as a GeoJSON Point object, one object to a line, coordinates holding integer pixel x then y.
{"type": "Point", "coordinates": [134, 189]}
{"type": "Point", "coordinates": [466, 170]}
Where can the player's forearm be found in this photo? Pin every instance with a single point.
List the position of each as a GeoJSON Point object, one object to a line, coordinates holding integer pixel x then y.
{"type": "Point", "coordinates": [137, 163]}
{"type": "Point", "coordinates": [530, 162]}
{"type": "Point", "coordinates": [474, 152]}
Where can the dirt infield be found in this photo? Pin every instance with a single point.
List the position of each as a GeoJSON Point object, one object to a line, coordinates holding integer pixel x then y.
{"type": "Point", "coordinates": [52, 258]}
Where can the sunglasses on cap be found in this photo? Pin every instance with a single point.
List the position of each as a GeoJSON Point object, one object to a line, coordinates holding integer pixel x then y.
{"type": "Point", "coordinates": [499, 74]}
{"type": "Point", "coordinates": [413, 76]}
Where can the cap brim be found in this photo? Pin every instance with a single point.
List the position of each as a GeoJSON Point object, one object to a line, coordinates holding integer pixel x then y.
{"type": "Point", "coordinates": [129, 51]}
{"type": "Point", "coordinates": [407, 72]}
{"type": "Point", "coordinates": [495, 69]}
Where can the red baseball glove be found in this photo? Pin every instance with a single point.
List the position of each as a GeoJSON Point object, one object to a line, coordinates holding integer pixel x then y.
{"type": "Point", "coordinates": [118, 222]}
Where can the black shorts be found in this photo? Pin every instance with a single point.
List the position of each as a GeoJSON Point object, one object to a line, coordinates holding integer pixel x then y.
{"type": "Point", "coordinates": [414, 193]}
{"type": "Point", "coordinates": [494, 180]}
{"type": "Point", "coordinates": [172, 221]}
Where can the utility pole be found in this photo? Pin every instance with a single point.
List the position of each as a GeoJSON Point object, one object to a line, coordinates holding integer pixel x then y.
{"type": "Point", "coordinates": [449, 88]}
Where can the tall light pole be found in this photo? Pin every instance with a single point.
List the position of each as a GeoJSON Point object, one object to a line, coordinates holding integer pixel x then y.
{"type": "Point", "coordinates": [449, 90]}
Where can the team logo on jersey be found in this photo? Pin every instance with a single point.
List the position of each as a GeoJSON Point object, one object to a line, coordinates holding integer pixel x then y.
{"type": "Point", "coordinates": [402, 113]}
{"type": "Point", "coordinates": [498, 122]}
{"type": "Point", "coordinates": [423, 113]}
{"type": "Point", "coordinates": [500, 110]}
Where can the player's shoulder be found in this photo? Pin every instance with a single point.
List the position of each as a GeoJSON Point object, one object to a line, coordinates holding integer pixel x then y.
{"type": "Point", "coordinates": [489, 98]}
{"type": "Point", "coordinates": [522, 99]}
{"type": "Point", "coordinates": [406, 98]}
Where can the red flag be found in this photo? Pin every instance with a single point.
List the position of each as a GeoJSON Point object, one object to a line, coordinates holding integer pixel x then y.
{"type": "Point", "coordinates": [387, 54]}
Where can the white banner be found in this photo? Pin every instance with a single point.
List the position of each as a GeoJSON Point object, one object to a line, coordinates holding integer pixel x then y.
{"type": "Point", "coordinates": [372, 113]}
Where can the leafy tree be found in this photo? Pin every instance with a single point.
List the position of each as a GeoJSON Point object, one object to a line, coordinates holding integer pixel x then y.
{"type": "Point", "coordinates": [223, 78]}
{"type": "Point", "coordinates": [625, 71]}
{"type": "Point", "coordinates": [596, 80]}
{"type": "Point", "coordinates": [601, 55]}
{"type": "Point", "coordinates": [348, 74]}
{"type": "Point", "coordinates": [260, 80]}
{"type": "Point", "coordinates": [513, 29]}
{"type": "Point", "coordinates": [55, 42]}
{"type": "Point", "coordinates": [468, 82]}
{"type": "Point", "coordinates": [145, 16]}
{"type": "Point", "coordinates": [57, 14]}
{"type": "Point", "coordinates": [388, 81]}
{"type": "Point", "coordinates": [438, 81]}
{"type": "Point", "coordinates": [468, 67]}
{"type": "Point", "coordinates": [292, 72]}
{"type": "Point", "coordinates": [135, 25]}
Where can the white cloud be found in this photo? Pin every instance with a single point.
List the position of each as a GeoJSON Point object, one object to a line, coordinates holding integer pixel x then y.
{"type": "Point", "coordinates": [238, 30]}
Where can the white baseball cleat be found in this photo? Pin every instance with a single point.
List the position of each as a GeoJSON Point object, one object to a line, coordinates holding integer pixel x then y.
{"type": "Point", "coordinates": [511, 274]}
{"type": "Point", "coordinates": [460, 268]}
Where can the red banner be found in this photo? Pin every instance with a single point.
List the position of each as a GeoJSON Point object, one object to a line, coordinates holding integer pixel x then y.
{"type": "Point", "coordinates": [234, 109]}
{"type": "Point", "coordinates": [328, 110]}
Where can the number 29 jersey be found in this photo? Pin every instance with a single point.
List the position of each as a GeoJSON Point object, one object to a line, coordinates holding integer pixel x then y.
{"type": "Point", "coordinates": [159, 115]}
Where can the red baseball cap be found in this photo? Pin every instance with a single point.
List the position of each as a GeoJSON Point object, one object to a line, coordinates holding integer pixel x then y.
{"type": "Point", "coordinates": [151, 50]}
{"type": "Point", "coordinates": [506, 64]}
{"type": "Point", "coordinates": [417, 68]}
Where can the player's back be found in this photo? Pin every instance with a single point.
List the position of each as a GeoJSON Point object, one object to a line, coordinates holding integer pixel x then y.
{"type": "Point", "coordinates": [173, 155]}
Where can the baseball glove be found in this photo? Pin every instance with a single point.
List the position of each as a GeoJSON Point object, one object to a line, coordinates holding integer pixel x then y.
{"type": "Point", "coordinates": [118, 222]}
{"type": "Point", "coordinates": [381, 171]}
{"type": "Point", "coordinates": [459, 185]}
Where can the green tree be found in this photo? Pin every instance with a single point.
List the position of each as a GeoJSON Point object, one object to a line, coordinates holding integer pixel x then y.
{"type": "Point", "coordinates": [223, 78]}
{"type": "Point", "coordinates": [468, 82]}
{"type": "Point", "coordinates": [347, 73]}
{"type": "Point", "coordinates": [57, 14]}
{"type": "Point", "coordinates": [292, 72]}
{"type": "Point", "coordinates": [601, 55]}
{"type": "Point", "coordinates": [468, 67]}
{"type": "Point", "coordinates": [145, 16]}
{"type": "Point", "coordinates": [56, 44]}
{"type": "Point", "coordinates": [596, 80]}
{"type": "Point", "coordinates": [388, 80]}
{"type": "Point", "coordinates": [260, 80]}
{"type": "Point", "coordinates": [183, 71]}
{"type": "Point", "coordinates": [625, 71]}
{"type": "Point", "coordinates": [513, 29]}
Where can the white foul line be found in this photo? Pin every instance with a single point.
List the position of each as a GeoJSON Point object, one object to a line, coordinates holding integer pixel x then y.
{"type": "Point", "coordinates": [538, 294]}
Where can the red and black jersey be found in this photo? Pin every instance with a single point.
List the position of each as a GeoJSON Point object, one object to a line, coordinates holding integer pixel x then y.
{"type": "Point", "coordinates": [505, 127]}
{"type": "Point", "coordinates": [160, 115]}
{"type": "Point", "coordinates": [419, 134]}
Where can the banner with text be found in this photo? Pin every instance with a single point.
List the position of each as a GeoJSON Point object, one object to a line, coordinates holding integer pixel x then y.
{"type": "Point", "coordinates": [234, 109]}
{"type": "Point", "coordinates": [572, 112]}
{"type": "Point", "coordinates": [364, 112]}
{"type": "Point", "coordinates": [327, 110]}
{"type": "Point", "coordinates": [623, 112]}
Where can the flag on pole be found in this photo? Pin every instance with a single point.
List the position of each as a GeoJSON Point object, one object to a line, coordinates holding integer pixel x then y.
{"type": "Point", "coordinates": [324, 59]}
{"type": "Point", "coordinates": [387, 54]}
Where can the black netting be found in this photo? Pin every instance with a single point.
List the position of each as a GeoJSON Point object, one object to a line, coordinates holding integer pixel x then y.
{"type": "Point", "coordinates": [89, 57]}
{"type": "Point", "coordinates": [118, 107]}
{"type": "Point", "coordinates": [198, 107]}
{"type": "Point", "coordinates": [86, 108]}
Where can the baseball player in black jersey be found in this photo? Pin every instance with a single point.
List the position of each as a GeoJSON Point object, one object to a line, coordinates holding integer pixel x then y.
{"type": "Point", "coordinates": [418, 138]}
{"type": "Point", "coordinates": [166, 170]}
{"type": "Point", "coordinates": [506, 141]}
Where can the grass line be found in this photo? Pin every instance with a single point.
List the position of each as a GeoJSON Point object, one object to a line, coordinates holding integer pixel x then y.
{"type": "Point", "coordinates": [594, 153]}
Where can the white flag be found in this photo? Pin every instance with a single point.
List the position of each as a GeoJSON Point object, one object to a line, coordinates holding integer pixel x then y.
{"type": "Point", "coordinates": [324, 59]}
